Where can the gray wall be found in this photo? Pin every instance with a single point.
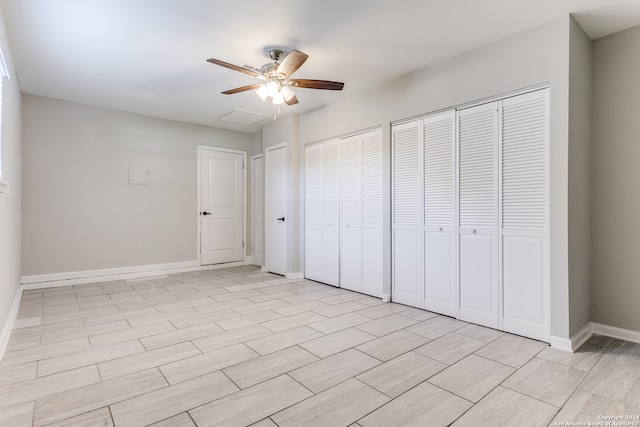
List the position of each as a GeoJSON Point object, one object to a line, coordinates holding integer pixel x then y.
{"type": "Point", "coordinates": [616, 174]}
{"type": "Point", "coordinates": [533, 57]}
{"type": "Point", "coordinates": [580, 103]}
{"type": "Point", "coordinates": [79, 211]}
{"type": "Point", "coordinates": [10, 208]}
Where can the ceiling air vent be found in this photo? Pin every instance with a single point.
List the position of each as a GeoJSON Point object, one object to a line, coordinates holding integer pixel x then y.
{"type": "Point", "coordinates": [243, 117]}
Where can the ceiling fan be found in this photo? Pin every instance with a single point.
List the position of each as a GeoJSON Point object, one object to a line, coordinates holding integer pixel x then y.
{"type": "Point", "coordinates": [276, 77]}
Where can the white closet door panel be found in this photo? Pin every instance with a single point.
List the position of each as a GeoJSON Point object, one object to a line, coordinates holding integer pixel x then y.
{"type": "Point", "coordinates": [439, 273]}
{"type": "Point", "coordinates": [525, 295]}
{"type": "Point", "coordinates": [330, 255]}
{"type": "Point", "coordinates": [478, 138]}
{"type": "Point", "coordinates": [351, 258]}
{"type": "Point", "coordinates": [372, 261]}
{"type": "Point", "coordinates": [439, 170]}
{"type": "Point", "coordinates": [525, 142]}
{"type": "Point", "coordinates": [372, 186]}
{"type": "Point", "coordinates": [407, 174]}
{"type": "Point", "coordinates": [313, 213]}
{"type": "Point", "coordinates": [313, 185]}
{"type": "Point", "coordinates": [478, 166]}
{"type": "Point", "coordinates": [350, 182]}
{"type": "Point", "coordinates": [372, 213]}
{"type": "Point", "coordinates": [407, 268]}
{"type": "Point", "coordinates": [407, 286]}
{"type": "Point", "coordinates": [313, 252]}
{"type": "Point", "coordinates": [322, 213]}
{"type": "Point", "coordinates": [479, 280]}
{"type": "Point", "coordinates": [439, 214]}
{"type": "Point", "coordinates": [330, 183]}
{"type": "Point", "coordinates": [524, 161]}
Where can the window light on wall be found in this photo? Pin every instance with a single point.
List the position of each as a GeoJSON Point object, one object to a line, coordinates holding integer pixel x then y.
{"type": "Point", "coordinates": [4, 75]}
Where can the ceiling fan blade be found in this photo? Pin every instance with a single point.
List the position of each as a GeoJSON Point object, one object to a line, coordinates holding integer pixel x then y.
{"type": "Point", "coordinates": [242, 89]}
{"type": "Point", "coordinates": [292, 101]}
{"type": "Point", "coordinates": [316, 84]}
{"type": "Point", "coordinates": [234, 68]}
{"type": "Point", "coordinates": [291, 62]}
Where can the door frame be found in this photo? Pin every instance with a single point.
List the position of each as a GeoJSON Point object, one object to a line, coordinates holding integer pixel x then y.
{"type": "Point", "coordinates": [253, 160]}
{"type": "Point", "coordinates": [200, 150]}
{"type": "Point", "coordinates": [267, 150]}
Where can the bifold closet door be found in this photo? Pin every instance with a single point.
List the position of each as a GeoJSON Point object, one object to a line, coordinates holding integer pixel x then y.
{"type": "Point", "coordinates": [372, 192]}
{"type": "Point", "coordinates": [361, 213]}
{"type": "Point", "coordinates": [440, 246]}
{"type": "Point", "coordinates": [478, 139]}
{"type": "Point", "coordinates": [330, 214]}
{"type": "Point", "coordinates": [525, 141]}
{"type": "Point", "coordinates": [313, 213]}
{"type": "Point", "coordinates": [351, 214]}
{"type": "Point", "coordinates": [322, 213]}
{"type": "Point", "coordinates": [407, 216]}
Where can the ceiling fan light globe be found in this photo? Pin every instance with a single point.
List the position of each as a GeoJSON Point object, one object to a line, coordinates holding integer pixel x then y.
{"type": "Point", "coordinates": [272, 89]}
{"type": "Point", "coordinates": [278, 98]}
{"type": "Point", "coordinates": [262, 92]}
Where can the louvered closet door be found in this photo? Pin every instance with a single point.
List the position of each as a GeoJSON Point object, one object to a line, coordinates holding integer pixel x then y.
{"type": "Point", "coordinates": [330, 253]}
{"type": "Point", "coordinates": [440, 249]}
{"type": "Point", "coordinates": [350, 214]}
{"type": "Point", "coordinates": [525, 141]}
{"type": "Point", "coordinates": [478, 214]}
{"type": "Point", "coordinates": [313, 213]}
{"type": "Point", "coordinates": [372, 213]}
{"type": "Point", "coordinates": [407, 214]}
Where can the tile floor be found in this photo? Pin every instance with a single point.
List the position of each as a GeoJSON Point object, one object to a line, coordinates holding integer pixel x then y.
{"type": "Point", "coordinates": [238, 347]}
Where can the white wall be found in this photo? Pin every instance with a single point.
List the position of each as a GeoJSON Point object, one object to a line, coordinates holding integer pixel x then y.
{"type": "Point", "coordinates": [616, 174]}
{"type": "Point", "coordinates": [10, 208]}
{"type": "Point", "coordinates": [79, 211]}
{"type": "Point", "coordinates": [534, 57]}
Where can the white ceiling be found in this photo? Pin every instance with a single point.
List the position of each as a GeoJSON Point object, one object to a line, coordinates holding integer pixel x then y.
{"type": "Point", "coordinates": [148, 56]}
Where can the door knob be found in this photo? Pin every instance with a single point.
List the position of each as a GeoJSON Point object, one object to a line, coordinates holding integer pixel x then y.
{"type": "Point", "coordinates": [281, 219]}
{"type": "Point", "coordinates": [205, 213]}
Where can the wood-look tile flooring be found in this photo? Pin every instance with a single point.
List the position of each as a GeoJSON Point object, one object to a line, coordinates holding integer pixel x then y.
{"type": "Point", "coordinates": [239, 347]}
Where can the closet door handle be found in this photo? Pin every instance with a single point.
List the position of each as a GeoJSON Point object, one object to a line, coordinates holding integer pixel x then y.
{"type": "Point", "coordinates": [205, 213]}
{"type": "Point", "coordinates": [281, 219]}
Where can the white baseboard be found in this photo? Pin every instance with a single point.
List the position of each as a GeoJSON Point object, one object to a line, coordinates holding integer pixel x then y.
{"type": "Point", "coordinates": [613, 332]}
{"type": "Point", "coordinates": [294, 276]}
{"type": "Point", "coordinates": [124, 273]}
{"type": "Point", "coordinates": [9, 322]}
{"type": "Point", "coordinates": [588, 330]}
{"type": "Point", "coordinates": [386, 298]}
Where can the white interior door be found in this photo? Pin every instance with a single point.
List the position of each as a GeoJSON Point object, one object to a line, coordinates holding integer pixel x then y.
{"type": "Point", "coordinates": [276, 209]}
{"type": "Point", "coordinates": [257, 199]}
{"type": "Point", "coordinates": [221, 182]}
